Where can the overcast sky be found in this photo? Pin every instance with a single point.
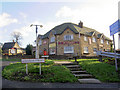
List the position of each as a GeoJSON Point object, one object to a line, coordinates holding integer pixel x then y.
{"type": "Point", "coordinates": [18, 16]}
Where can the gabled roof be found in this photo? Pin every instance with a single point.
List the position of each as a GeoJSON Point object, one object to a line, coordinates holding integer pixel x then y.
{"type": "Point", "coordinates": [75, 28]}
{"type": "Point", "coordinates": [8, 45]}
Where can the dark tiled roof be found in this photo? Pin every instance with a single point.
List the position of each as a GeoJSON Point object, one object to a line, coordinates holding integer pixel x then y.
{"type": "Point", "coordinates": [8, 45]}
{"type": "Point", "coordinates": [75, 28]}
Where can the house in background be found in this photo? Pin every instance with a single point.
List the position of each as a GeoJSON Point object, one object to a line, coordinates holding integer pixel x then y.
{"type": "Point", "coordinates": [12, 48]}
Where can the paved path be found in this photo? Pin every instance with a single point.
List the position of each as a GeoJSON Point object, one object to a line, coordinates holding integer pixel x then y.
{"type": "Point", "coordinates": [4, 63]}
{"type": "Point", "coordinates": [62, 62]}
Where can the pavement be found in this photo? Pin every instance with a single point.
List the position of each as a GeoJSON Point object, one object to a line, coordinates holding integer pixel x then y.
{"type": "Point", "coordinates": [18, 84]}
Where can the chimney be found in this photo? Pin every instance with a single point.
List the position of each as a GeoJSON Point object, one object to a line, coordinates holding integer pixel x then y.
{"type": "Point", "coordinates": [80, 24]}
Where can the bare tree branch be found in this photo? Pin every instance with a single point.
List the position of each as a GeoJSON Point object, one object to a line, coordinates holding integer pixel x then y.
{"type": "Point", "coordinates": [16, 36]}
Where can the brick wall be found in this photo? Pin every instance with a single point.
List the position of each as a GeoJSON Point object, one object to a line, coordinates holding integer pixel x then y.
{"type": "Point", "coordinates": [78, 47]}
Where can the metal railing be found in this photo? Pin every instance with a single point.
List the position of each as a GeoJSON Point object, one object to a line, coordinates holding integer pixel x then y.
{"type": "Point", "coordinates": [108, 54]}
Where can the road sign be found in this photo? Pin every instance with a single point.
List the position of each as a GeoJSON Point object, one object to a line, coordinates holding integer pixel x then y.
{"type": "Point", "coordinates": [42, 60]}
{"type": "Point", "coordinates": [115, 27]}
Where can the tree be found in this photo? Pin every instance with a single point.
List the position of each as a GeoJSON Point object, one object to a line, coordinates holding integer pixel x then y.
{"type": "Point", "coordinates": [16, 36]}
{"type": "Point", "coordinates": [1, 48]}
{"type": "Point", "coordinates": [29, 49]}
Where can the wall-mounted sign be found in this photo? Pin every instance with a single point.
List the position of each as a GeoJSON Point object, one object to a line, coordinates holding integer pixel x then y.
{"type": "Point", "coordinates": [52, 45]}
{"type": "Point", "coordinates": [68, 42]}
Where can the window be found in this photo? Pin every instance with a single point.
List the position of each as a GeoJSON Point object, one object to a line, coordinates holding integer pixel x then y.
{"type": "Point", "coordinates": [85, 49]}
{"type": "Point", "coordinates": [94, 39]}
{"type": "Point", "coordinates": [85, 38]}
{"type": "Point", "coordinates": [68, 49]}
{"type": "Point", "coordinates": [107, 42]}
{"type": "Point", "coordinates": [102, 41]}
{"type": "Point", "coordinates": [68, 37]}
{"type": "Point", "coordinates": [52, 39]}
{"type": "Point", "coordinates": [52, 51]}
{"type": "Point", "coordinates": [95, 50]}
{"type": "Point", "coordinates": [108, 50]}
{"type": "Point", "coordinates": [40, 42]}
{"type": "Point", "coordinates": [101, 49]}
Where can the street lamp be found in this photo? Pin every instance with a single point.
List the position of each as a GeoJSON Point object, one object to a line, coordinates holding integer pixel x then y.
{"type": "Point", "coordinates": [36, 56]}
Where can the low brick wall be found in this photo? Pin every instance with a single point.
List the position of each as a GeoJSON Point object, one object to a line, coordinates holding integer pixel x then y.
{"type": "Point", "coordinates": [17, 56]}
{"type": "Point", "coordinates": [63, 57]}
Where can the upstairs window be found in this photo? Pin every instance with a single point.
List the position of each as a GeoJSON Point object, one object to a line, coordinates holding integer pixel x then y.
{"type": "Point", "coordinates": [107, 42]}
{"type": "Point", "coordinates": [68, 37]}
{"type": "Point", "coordinates": [94, 39]}
{"type": "Point", "coordinates": [40, 42]}
{"type": "Point", "coordinates": [52, 39]}
{"type": "Point", "coordinates": [68, 49]}
{"type": "Point", "coordinates": [102, 41]}
{"type": "Point", "coordinates": [85, 38]}
{"type": "Point", "coordinates": [86, 50]}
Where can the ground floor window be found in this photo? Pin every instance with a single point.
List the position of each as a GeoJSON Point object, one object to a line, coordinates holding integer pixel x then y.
{"type": "Point", "coordinates": [68, 49]}
{"type": "Point", "coordinates": [95, 50]}
{"type": "Point", "coordinates": [86, 50]}
{"type": "Point", "coordinates": [52, 51]}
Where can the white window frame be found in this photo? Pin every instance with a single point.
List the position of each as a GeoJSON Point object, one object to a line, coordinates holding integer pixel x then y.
{"type": "Point", "coordinates": [107, 42]}
{"type": "Point", "coordinates": [68, 49]}
{"type": "Point", "coordinates": [108, 50]}
{"type": "Point", "coordinates": [68, 37]}
{"type": "Point", "coordinates": [93, 39]}
{"type": "Point", "coordinates": [52, 39]}
{"type": "Point", "coordinates": [51, 51]}
{"type": "Point", "coordinates": [102, 41]}
{"type": "Point", "coordinates": [85, 38]}
{"type": "Point", "coordinates": [94, 50]}
{"type": "Point", "coordinates": [40, 42]}
{"type": "Point", "coordinates": [86, 50]}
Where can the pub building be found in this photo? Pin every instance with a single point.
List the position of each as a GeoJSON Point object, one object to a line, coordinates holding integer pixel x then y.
{"type": "Point", "coordinates": [69, 39]}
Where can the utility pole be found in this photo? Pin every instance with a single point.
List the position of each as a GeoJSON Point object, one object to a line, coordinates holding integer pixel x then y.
{"type": "Point", "coordinates": [37, 53]}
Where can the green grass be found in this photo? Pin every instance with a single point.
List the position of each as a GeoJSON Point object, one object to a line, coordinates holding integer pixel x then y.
{"type": "Point", "coordinates": [101, 70]}
{"type": "Point", "coordinates": [10, 59]}
{"type": "Point", "coordinates": [50, 72]}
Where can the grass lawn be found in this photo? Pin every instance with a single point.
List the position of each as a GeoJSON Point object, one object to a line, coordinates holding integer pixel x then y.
{"type": "Point", "coordinates": [10, 59]}
{"type": "Point", "coordinates": [50, 72]}
{"type": "Point", "coordinates": [101, 70]}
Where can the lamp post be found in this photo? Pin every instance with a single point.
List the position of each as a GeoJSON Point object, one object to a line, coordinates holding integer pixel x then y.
{"type": "Point", "coordinates": [36, 56]}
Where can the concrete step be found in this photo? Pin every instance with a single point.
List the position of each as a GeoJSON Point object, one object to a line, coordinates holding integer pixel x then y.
{"type": "Point", "coordinates": [89, 81]}
{"type": "Point", "coordinates": [73, 66]}
{"type": "Point", "coordinates": [75, 69]}
{"type": "Point", "coordinates": [83, 75]}
{"type": "Point", "coordinates": [70, 64]}
{"type": "Point", "coordinates": [78, 72]}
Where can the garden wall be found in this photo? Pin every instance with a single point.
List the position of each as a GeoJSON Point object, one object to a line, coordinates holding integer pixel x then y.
{"type": "Point", "coordinates": [19, 56]}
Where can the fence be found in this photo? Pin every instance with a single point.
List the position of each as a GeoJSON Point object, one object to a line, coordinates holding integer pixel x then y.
{"type": "Point", "coordinates": [107, 54]}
